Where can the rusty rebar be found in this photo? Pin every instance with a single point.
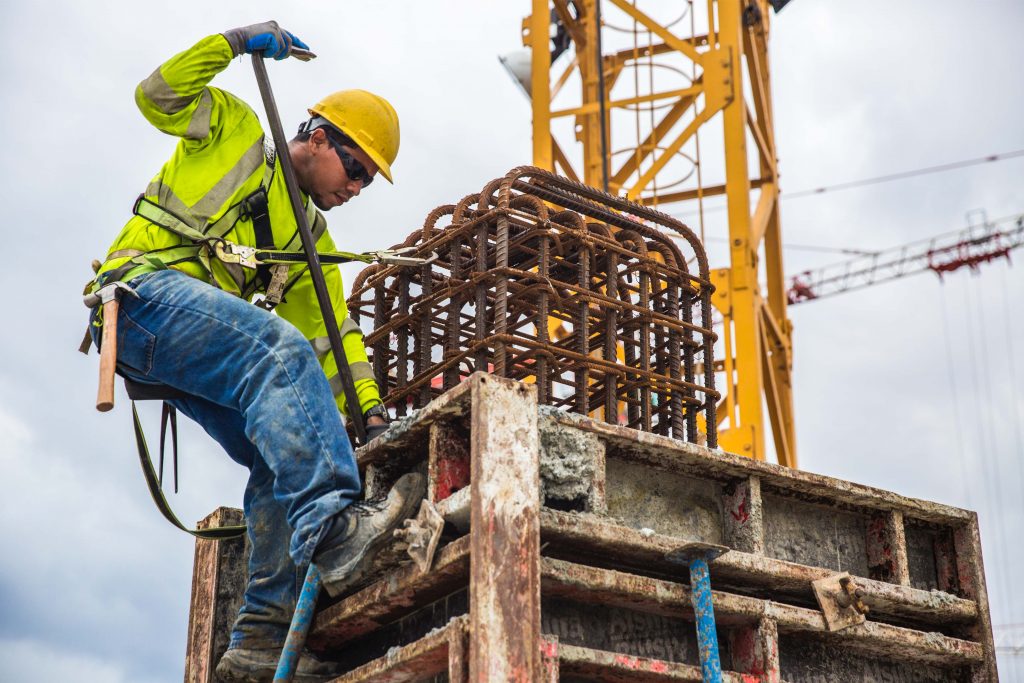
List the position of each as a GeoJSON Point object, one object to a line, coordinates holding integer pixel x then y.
{"type": "Point", "coordinates": [547, 281]}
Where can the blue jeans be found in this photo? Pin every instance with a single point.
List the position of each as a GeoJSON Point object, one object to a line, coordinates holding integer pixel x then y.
{"type": "Point", "coordinates": [256, 387]}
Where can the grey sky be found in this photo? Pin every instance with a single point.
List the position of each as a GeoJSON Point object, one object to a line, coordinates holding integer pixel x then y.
{"type": "Point", "coordinates": [94, 585]}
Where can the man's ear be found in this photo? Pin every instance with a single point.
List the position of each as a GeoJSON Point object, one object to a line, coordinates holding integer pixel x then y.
{"type": "Point", "coordinates": [317, 140]}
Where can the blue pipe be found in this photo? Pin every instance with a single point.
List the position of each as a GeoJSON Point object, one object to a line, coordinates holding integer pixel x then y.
{"type": "Point", "coordinates": [707, 636]}
{"type": "Point", "coordinates": [301, 621]}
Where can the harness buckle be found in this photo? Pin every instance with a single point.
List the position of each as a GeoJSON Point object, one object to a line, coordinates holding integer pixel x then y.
{"type": "Point", "coordinates": [229, 252]}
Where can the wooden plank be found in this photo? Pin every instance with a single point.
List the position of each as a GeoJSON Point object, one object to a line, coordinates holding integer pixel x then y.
{"type": "Point", "coordinates": [584, 584]}
{"type": "Point", "coordinates": [504, 591]}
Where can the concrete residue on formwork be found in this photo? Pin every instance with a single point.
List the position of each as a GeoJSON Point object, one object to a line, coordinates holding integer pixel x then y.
{"type": "Point", "coordinates": [568, 461]}
{"type": "Point", "coordinates": [672, 504]}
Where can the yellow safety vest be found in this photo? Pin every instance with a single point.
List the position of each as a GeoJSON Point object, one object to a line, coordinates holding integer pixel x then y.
{"type": "Point", "coordinates": [206, 191]}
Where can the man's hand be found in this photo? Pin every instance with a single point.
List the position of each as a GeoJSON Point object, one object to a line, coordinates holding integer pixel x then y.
{"type": "Point", "coordinates": [268, 39]}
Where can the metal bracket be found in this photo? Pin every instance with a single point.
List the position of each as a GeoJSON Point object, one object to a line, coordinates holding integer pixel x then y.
{"type": "Point", "coordinates": [422, 534]}
{"type": "Point", "coordinates": [840, 601]}
{"type": "Point", "coordinates": [228, 252]}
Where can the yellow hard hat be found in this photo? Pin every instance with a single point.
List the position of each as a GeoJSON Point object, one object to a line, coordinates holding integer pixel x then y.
{"type": "Point", "coordinates": [368, 119]}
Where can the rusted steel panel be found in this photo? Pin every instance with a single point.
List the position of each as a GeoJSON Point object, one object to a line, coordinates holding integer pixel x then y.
{"type": "Point", "coordinates": [218, 583]}
{"type": "Point", "coordinates": [504, 532]}
{"type": "Point", "coordinates": [412, 431]}
{"type": "Point", "coordinates": [458, 653]}
{"type": "Point", "coordinates": [448, 459]}
{"type": "Point", "coordinates": [550, 672]}
{"type": "Point", "coordinates": [594, 537]}
{"type": "Point", "coordinates": [589, 584]}
{"type": "Point", "coordinates": [612, 667]}
{"type": "Point", "coordinates": [744, 515]}
{"type": "Point", "coordinates": [395, 595]}
{"type": "Point", "coordinates": [887, 549]}
{"type": "Point", "coordinates": [768, 637]}
{"type": "Point", "coordinates": [681, 456]}
{"type": "Point", "coordinates": [971, 569]}
{"type": "Point", "coordinates": [417, 661]}
{"type": "Point", "coordinates": [755, 651]}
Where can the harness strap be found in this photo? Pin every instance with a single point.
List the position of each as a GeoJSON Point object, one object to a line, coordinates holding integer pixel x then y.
{"type": "Point", "coordinates": [153, 481]}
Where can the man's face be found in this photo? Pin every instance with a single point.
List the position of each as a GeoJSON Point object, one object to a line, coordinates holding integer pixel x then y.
{"type": "Point", "coordinates": [327, 183]}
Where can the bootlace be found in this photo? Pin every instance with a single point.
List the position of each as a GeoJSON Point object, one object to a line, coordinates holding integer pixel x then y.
{"type": "Point", "coordinates": [370, 506]}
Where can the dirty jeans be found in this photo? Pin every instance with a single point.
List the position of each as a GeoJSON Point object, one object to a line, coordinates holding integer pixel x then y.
{"type": "Point", "coordinates": [256, 387]}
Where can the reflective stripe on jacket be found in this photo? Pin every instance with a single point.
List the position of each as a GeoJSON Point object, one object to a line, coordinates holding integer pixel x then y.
{"type": "Point", "coordinates": [218, 162]}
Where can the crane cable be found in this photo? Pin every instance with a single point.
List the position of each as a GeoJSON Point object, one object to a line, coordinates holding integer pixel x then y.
{"type": "Point", "coordinates": [981, 369]}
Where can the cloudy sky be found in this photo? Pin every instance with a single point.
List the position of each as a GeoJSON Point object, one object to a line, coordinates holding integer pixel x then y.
{"type": "Point", "coordinates": [913, 386]}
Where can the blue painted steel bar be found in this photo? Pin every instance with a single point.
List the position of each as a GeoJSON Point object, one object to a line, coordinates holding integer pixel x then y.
{"type": "Point", "coordinates": [707, 635]}
{"type": "Point", "coordinates": [301, 621]}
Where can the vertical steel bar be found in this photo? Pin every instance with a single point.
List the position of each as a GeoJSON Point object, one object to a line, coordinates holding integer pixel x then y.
{"type": "Point", "coordinates": [299, 629]}
{"type": "Point", "coordinates": [425, 336]}
{"type": "Point", "coordinates": [452, 324]}
{"type": "Point", "coordinates": [583, 330]}
{"type": "Point", "coordinates": [501, 295]}
{"type": "Point", "coordinates": [704, 610]}
{"type": "Point", "coordinates": [611, 327]}
{"type": "Point", "coordinates": [316, 272]}
{"type": "Point", "coordinates": [645, 348]}
{"type": "Point", "coordinates": [402, 361]}
{"type": "Point", "coordinates": [480, 357]}
{"type": "Point", "coordinates": [542, 319]}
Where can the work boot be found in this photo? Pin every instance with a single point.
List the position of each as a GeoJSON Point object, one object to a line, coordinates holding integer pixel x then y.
{"type": "Point", "coordinates": [348, 546]}
{"type": "Point", "coordinates": [242, 665]}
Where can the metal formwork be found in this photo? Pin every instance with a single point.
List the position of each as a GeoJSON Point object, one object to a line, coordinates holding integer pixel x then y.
{"type": "Point", "coordinates": [533, 250]}
{"type": "Point", "coordinates": [545, 574]}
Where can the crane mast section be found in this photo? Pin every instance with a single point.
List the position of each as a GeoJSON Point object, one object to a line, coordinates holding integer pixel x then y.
{"type": "Point", "coordinates": [726, 87]}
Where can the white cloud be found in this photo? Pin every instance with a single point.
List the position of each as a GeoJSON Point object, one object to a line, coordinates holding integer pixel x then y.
{"type": "Point", "coordinates": [34, 661]}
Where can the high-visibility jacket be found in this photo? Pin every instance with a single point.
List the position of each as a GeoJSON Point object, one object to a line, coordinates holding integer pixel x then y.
{"type": "Point", "coordinates": [220, 161]}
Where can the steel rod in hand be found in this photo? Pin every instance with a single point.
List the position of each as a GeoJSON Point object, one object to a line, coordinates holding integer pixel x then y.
{"type": "Point", "coordinates": [309, 246]}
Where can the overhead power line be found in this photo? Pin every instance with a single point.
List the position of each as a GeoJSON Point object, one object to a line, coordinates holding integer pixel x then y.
{"type": "Point", "coordinates": [905, 174]}
{"type": "Point", "coordinates": [1002, 156]}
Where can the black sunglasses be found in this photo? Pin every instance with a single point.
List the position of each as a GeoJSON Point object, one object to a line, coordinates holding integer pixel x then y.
{"type": "Point", "coordinates": [353, 169]}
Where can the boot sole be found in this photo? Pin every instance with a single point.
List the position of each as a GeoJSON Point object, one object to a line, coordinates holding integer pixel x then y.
{"type": "Point", "coordinates": [351, 574]}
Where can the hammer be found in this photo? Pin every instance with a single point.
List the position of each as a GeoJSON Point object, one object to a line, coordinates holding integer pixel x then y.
{"type": "Point", "coordinates": [107, 295]}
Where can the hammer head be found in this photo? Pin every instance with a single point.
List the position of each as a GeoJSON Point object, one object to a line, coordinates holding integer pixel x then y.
{"type": "Point", "coordinates": [107, 292]}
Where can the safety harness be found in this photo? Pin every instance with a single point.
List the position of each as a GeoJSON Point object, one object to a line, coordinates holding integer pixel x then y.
{"type": "Point", "coordinates": [206, 242]}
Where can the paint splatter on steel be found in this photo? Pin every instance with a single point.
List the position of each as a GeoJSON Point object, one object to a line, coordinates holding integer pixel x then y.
{"type": "Point", "coordinates": [530, 248]}
{"type": "Point", "coordinates": [704, 611]}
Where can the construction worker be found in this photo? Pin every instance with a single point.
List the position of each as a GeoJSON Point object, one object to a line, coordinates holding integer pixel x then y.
{"type": "Point", "coordinates": [262, 384]}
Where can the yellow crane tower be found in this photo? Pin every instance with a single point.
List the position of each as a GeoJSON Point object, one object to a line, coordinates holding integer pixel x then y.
{"type": "Point", "coordinates": [724, 63]}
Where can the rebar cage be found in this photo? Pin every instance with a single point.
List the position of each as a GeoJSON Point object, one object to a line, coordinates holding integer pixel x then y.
{"type": "Point", "coordinates": [544, 280]}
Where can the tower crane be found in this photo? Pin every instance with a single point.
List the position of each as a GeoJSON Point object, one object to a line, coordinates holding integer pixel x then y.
{"type": "Point", "coordinates": [673, 77]}
{"type": "Point", "coordinates": [969, 248]}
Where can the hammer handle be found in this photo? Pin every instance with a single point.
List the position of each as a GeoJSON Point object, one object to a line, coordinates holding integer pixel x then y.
{"type": "Point", "coordinates": [108, 357]}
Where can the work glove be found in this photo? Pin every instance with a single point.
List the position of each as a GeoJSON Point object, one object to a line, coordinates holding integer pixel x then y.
{"type": "Point", "coordinates": [268, 39]}
{"type": "Point", "coordinates": [373, 431]}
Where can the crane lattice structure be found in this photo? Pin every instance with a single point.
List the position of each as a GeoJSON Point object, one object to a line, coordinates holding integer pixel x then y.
{"type": "Point", "coordinates": [722, 78]}
{"type": "Point", "coordinates": [944, 253]}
